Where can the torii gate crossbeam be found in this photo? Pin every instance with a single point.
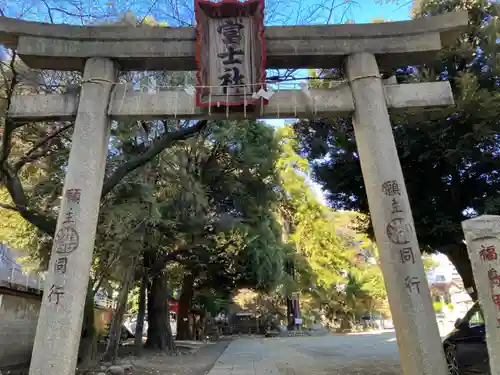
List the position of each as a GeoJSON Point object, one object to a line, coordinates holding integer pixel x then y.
{"type": "Point", "coordinates": [65, 47]}
{"type": "Point", "coordinates": [101, 52]}
{"type": "Point", "coordinates": [179, 104]}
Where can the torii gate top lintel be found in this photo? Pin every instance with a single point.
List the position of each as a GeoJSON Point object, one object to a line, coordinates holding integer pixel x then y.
{"type": "Point", "coordinates": [66, 47]}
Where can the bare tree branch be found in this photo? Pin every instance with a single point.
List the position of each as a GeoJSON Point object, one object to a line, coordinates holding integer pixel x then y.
{"type": "Point", "coordinates": [149, 11]}
{"type": "Point", "coordinates": [163, 260]}
{"type": "Point", "coordinates": [49, 11]}
{"type": "Point", "coordinates": [30, 156]}
{"type": "Point", "coordinates": [9, 207]}
{"type": "Point", "coordinates": [158, 146]}
{"type": "Point", "coordinates": [13, 184]}
{"type": "Point", "coordinates": [45, 223]}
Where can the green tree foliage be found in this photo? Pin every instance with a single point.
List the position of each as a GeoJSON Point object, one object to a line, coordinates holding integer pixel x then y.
{"type": "Point", "coordinates": [219, 203]}
{"type": "Point", "coordinates": [207, 204]}
{"type": "Point", "coordinates": [16, 232]}
{"type": "Point", "coordinates": [187, 201]}
{"type": "Point", "coordinates": [306, 223]}
{"type": "Point", "coordinates": [454, 150]}
{"type": "Point", "coordinates": [324, 244]}
{"type": "Point", "coordinates": [33, 160]}
{"type": "Point", "coordinates": [41, 150]}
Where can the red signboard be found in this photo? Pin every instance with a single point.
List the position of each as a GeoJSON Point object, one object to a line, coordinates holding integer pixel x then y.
{"type": "Point", "coordinates": [173, 305]}
{"type": "Point", "coordinates": [230, 53]}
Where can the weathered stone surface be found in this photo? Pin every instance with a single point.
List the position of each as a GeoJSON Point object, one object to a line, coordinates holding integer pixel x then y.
{"type": "Point", "coordinates": [64, 54]}
{"type": "Point", "coordinates": [60, 322]}
{"type": "Point", "coordinates": [178, 104]}
{"type": "Point", "coordinates": [54, 106]}
{"type": "Point", "coordinates": [482, 234]}
{"type": "Point", "coordinates": [420, 346]}
{"type": "Point", "coordinates": [65, 47]}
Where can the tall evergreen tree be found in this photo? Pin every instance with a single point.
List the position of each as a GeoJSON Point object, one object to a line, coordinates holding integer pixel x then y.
{"type": "Point", "coordinates": [449, 156]}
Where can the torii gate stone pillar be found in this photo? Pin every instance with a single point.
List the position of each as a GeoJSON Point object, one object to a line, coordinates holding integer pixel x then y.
{"type": "Point", "coordinates": [417, 332]}
{"type": "Point", "coordinates": [367, 48]}
{"type": "Point", "coordinates": [482, 235]}
{"type": "Point", "coordinates": [61, 311]}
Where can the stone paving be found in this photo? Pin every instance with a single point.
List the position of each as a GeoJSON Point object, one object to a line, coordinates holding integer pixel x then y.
{"type": "Point", "coordinates": [365, 354]}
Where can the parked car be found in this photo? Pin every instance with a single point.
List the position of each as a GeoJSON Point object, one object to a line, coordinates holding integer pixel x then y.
{"type": "Point", "coordinates": [129, 325]}
{"type": "Point", "coordinates": [465, 346]}
{"type": "Point", "coordinates": [124, 335]}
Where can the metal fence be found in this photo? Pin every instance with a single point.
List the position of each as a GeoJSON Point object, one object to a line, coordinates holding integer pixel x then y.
{"type": "Point", "coordinates": [12, 273]}
{"type": "Point", "coordinates": [105, 302]}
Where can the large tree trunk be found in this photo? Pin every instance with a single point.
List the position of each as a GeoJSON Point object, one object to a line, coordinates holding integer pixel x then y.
{"type": "Point", "coordinates": [291, 302]}
{"type": "Point", "coordinates": [139, 328]}
{"type": "Point", "coordinates": [185, 302]}
{"type": "Point", "coordinates": [115, 331]}
{"type": "Point", "coordinates": [458, 255]}
{"type": "Point", "coordinates": [147, 261]}
{"type": "Point", "coordinates": [290, 313]}
{"type": "Point", "coordinates": [159, 332]}
{"type": "Point", "coordinates": [87, 352]}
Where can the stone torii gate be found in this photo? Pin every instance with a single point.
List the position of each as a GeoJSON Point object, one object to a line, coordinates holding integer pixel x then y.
{"type": "Point", "coordinates": [101, 52]}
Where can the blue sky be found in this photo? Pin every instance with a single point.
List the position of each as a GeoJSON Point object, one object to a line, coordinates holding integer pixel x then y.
{"type": "Point", "coordinates": [368, 10]}
{"type": "Point", "coordinates": [278, 12]}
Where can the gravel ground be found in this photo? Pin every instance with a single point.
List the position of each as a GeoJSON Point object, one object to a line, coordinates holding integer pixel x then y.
{"type": "Point", "coordinates": [363, 354]}
{"type": "Point", "coordinates": [198, 363]}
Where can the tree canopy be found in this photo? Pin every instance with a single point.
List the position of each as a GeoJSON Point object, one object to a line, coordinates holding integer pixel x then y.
{"type": "Point", "coordinates": [326, 245]}
{"type": "Point", "coordinates": [200, 208]}
{"type": "Point", "coordinates": [449, 156]}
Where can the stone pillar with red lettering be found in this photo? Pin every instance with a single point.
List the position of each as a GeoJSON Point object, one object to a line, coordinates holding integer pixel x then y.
{"type": "Point", "coordinates": [60, 321]}
{"type": "Point", "coordinates": [482, 235]}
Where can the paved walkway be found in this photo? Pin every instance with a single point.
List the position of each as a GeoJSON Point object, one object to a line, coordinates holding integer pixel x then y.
{"type": "Point", "coordinates": [370, 354]}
